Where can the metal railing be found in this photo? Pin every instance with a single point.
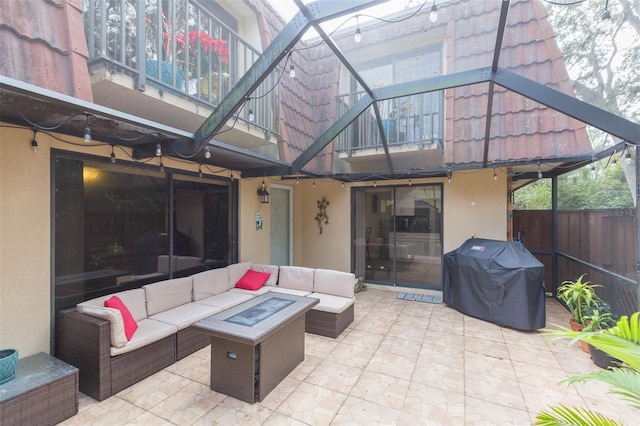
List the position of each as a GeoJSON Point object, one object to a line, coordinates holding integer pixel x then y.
{"type": "Point", "coordinates": [416, 120]}
{"type": "Point", "coordinates": [178, 46]}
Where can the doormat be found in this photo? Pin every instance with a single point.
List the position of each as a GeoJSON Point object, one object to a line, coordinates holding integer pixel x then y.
{"type": "Point", "coordinates": [427, 298]}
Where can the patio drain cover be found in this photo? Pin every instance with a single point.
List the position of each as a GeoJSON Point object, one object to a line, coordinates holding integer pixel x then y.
{"type": "Point", "coordinates": [427, 298]}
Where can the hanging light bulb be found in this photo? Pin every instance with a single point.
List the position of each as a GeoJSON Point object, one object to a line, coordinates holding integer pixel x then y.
{"type": "Point", "coordinates": [410, 183]}
{"type": "Point", "coordinates": [375, 184]}
{"type": "Point", "coordinates": [342, 184]}
{"type": "Point", "coordinates": [614, 160]}
{"type": "Point", "coordinates": [593, 168]}
{"type": "Point", "coordinates": [297, 179]}
{"type": "Point", "coordinates": [449, 175]}
{"type": "Point", "coordinates": [199, 170]}
{"type": "Point", "coordinates": [539, 171]}
{"type": "Point", "coordinates": [357, 37]}
{"type": "Point", "coordinates": [34, 142]}
{"type": "Point", "coordinates": [158, 150]}
{"type": "Point", "coordinates": [314, 183]}
{"type": "Point", "coordinates": [292, 71]}
{"type": "Point", "coordinates": [495, 176]}
{"type": "Point", "coordinates": [161, 165]}
{"type": "Point", "coordinates": [627, 157]}
{"type": "Point", "coordinates": [231, 175]}
{"type": "Point", "coordinates": [87, 131]}
{"type": "Point", "coordinates": [207, 153]}
{"type": "Point", "coordinates": [113, 156]}
{"type": "Point", "coordinates": [433, 15]}
{"type": "Point", "coordinates": [251, 116]}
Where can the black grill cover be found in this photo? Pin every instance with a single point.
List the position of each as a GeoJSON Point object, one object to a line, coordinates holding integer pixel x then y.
{"type": "Point", "coordinates": [497, 281]}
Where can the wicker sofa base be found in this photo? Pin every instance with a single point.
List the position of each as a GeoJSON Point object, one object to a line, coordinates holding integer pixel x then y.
{"type": "Point", "coordinates": [84, 342]}
{"type": "Point", "coordinates": [327, 323]}
{"type": "Point", "coordinates": [190, 341]}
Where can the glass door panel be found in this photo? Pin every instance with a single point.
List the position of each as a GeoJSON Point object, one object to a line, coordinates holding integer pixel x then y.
{"type": "Point", "coordinates": [398, 234]}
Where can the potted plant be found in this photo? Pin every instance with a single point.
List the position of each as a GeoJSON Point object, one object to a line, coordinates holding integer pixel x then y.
{"type": "Point", "coordinates": [578, 296]}
{"type": "Point", "coordinates": [622, 342]}
{"type": "Point", "coordinates": [601, 317]}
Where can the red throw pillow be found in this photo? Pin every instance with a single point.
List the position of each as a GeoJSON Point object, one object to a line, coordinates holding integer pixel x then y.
{"type": "Point", "coordinates": [253, 280]}
{"type": "Point", "coordinates": [130, 324]}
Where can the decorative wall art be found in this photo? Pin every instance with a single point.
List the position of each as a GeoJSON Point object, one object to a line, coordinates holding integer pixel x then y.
{"type": "Point", "coordinates": [322, 216]}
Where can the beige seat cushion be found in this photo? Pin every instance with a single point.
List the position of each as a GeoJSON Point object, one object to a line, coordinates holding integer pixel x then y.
{"type": "Point", "coordinates": [185, 315]}
{"type": "Point", "coordinates": [332, 304]}
{"type": "Point", "coordinates": [290, 291]}
{"type": "Point", "coordinates": [296, 278]}
{"type": "Point", "coordinates": [148, 331]}
{"type": "Point", "coordinates": [134, 300]}
{"type": "Point", "coordinates": [336, 283]}
{"type": "Point", "coordinates": [226, 300]}
{"type": "Point", "coordinates": [262, 290]}
{"type": "Point", "coordinates": [165, 295]}
{"type": "Point", "coordinates": [209, 283]}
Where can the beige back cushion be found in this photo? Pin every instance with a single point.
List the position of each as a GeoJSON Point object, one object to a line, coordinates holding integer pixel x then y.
{"type": "Point", "coordinates": [134, 300]}
{"type": "Point", "coordinates": [164, 295]}
{"type": "Point", "coordinates": [236, 271]}
{"type": "Point", "coordinates": [271, 269]}
{"type": "Point", "coordinates": [336, 283]}
{"type": "Point", "coordinates": [296, 278]}
{"type": "Point", "coordinates": [117, 335]}
{"type": "Point", "coordinates": [209, 283]}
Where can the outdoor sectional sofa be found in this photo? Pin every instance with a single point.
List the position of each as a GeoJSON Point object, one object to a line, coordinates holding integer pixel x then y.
{"type": "Point", "coordinates": [91, 339]}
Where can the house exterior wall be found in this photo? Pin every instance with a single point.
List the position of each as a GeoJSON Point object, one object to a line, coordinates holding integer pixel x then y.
{"type": "Point", "coordinates": [25, 241]}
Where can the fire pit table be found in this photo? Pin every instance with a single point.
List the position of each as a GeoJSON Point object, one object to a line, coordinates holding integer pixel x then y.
{"type": "Point", "coordinates": [256, 344]}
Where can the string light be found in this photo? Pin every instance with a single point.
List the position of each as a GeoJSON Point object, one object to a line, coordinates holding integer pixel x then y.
{"type": "Point", "coordinates": [358, 35]}
{"type": "Point", "coordinates": [292, 71]}
{"type": "Point", "coordinates": [87, 131]}
{"type": "Point", "coordinates": [297, 180]}
{"type": "Point", "coordinates": [34, 142]}
{"type": "Point", "coordinates": [231, 175]}
{"type": "Point", "coordinates": [207, 153]}
{"type": "Point", "coordinates": [449, 175]}
{"type": "Point", "coordinates": [161, 165]}
{"type": "Point", "coordinates": [495, 176]}
{"type": "Point", "coordinates": [113, 156]}
{"type": "Point", "coordinates": [251, 116]}
{"type": "Point", "coordinates": [158, 150]}
{"type": "Point", "coordinates": [615, 159]}
{"type": "Point", "coordinates": [410, 183]}
{"type": "Point", "coordinates": [375, 184]}
{"type": "Point", "coordinates": [539, 171]}
{"type": "Point", "coordinates": [314, 183]}
{"type": "Point", "coordinates": [342, 184]}
{"type": "Point", "coordinates": [433, 16]}
{"type": "Point", "coordinates": [199, 170]}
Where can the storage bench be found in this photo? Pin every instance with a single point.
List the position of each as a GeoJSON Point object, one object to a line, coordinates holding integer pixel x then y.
{"type": "Point", "coordinates": [43, 392]}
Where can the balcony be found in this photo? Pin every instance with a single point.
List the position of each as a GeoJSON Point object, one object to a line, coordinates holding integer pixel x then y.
{"type": "Point", "coordinates": [408, 124]}
{"type": "Point", "coordinates": [173, 62]}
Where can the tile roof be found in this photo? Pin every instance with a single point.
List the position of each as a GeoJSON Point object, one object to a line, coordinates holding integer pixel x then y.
{"type": "Point", "coordinates": [43, 43]}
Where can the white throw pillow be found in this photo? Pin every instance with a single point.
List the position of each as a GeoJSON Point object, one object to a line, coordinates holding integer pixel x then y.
{"type": "Point", "coordinates": [118, 337]}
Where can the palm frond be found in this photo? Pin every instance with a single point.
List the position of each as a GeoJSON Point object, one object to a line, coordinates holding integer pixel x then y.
{"type": "Point", "coordinates": [561, 415]}
{"type": "Point", "coordinates": [625, 382]}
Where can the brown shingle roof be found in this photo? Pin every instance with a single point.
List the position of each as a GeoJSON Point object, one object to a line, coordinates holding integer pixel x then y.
{"type": "Point", "coordinates": [43, 43]}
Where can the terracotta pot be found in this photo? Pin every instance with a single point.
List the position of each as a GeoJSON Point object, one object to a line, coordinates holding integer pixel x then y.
{"type": "Point", "coordinates": [578, 327]}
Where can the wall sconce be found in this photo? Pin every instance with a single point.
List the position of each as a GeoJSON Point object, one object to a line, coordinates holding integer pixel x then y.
{"type": "Point", "coordinates": [263, 194]}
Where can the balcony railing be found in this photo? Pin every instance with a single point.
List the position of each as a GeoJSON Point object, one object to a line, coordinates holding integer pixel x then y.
{"type": "Point", "coordinates": [416, 120]}
{"type": "Point", "coordinates": [178, 46]}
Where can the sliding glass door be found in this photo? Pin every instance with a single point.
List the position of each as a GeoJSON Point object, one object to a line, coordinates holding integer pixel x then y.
{"type": "Point", "coordinates": [398, 235]}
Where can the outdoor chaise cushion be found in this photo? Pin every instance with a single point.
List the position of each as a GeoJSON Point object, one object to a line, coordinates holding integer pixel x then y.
{"type": "Point", "coordinates": [184, 315]}
{"type": "Point", "coordinates": [332, 304]}
{"type": "Point", "coordinates": [133, 299]}
{"type": "Point", "coordinates": [210, 283]}
{"type": "Point", "coordinates": [165, 295]}
{"type": "Point", "coordinates": [295, 280]}
{"type": "Point", "coordinates": [236, 271]}
{"type": "Point", "coordinates": [130, 325]}
{"type": "Point", "coordinates": [148, 331]}
{"type": "Point", "coordinates": [226, 300]}
{"type": "Point", "coordinates": [336, 283]}
{"type": "Point", "coordinates": [117, 336]}
{"type": "Point", "coordinates": [271, 269]}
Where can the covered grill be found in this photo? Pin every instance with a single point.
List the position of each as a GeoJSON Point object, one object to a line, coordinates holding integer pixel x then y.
{"type": "Point", "coordinates": [497, 281]}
